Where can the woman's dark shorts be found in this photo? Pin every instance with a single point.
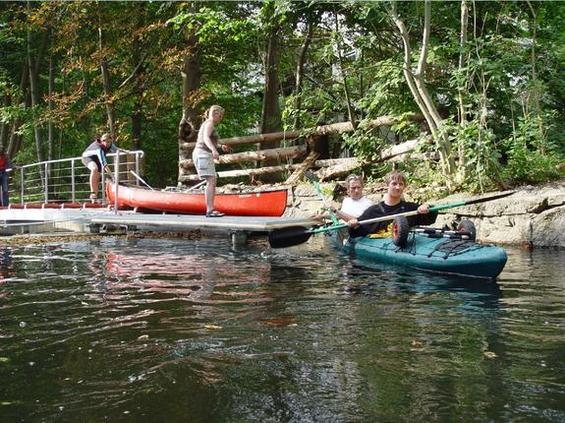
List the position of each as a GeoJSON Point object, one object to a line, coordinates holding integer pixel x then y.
{"type": "Point", "coordinates": [86, 160]}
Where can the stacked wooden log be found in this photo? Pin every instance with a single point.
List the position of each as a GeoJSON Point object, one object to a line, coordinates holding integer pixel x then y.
{"type": "Point", "coordinates": [303, 148]}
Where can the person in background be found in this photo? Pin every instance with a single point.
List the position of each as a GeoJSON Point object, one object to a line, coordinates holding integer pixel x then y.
{"type": "Point", "coordinates": [94, 158]}
{"type": "Point", "coordinates": [204, 154]}
{"type": "Point", "coordinates": [5, 165]}
{"type": "Point", "coordinates": [391, 204]}
{"type": "Point", "coordinates": [355, 203]}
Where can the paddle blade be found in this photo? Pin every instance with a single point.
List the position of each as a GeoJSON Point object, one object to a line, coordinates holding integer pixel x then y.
{"type": "Point", "coordinates": [287, 237]}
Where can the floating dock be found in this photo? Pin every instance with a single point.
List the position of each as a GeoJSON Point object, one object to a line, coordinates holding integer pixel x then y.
{"type": "Point", "coordinates": [52, 197]}
{"type": "Point", "coordinates": [90, 219]}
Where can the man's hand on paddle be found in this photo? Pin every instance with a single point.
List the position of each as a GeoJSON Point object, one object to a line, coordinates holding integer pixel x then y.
{"type": "Point", "coordinates": [353, 223]}
{"type": "Point", "coordinates": [424, 209]}
{"type": "Point", "coordinates": [320, 216]}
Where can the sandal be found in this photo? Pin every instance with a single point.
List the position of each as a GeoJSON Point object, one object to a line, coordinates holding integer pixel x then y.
{"type": "Point", "coordinates": [214, 213]}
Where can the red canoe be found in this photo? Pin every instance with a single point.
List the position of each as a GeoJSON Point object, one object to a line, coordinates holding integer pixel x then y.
{"type": "Point", "coordinates": [264, 203]}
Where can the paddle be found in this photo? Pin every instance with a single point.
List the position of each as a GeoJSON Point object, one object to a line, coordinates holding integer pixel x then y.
{"type": "Point", "coordinates": [314, 180]}
{"type": "Point", "coordinates": [294, 235]}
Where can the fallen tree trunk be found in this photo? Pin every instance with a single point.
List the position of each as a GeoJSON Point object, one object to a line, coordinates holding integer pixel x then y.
{"type": "Point", "coordinates": [246, 172]}
{"type": "Point", "coordinates": [302, 167]}
{"type": "Point", "coordinates": [332, 162]}
{"type": "Point", "coordinates": [339, 167]}
{"type": "Point", "coordinates": [334, 128]}
{"type": "Point", "coordinates": [251, 139]}
{"type": "Point", "coordinates": [398, 149]}
{"type": "Point", "coordinates": [260, 155]}
{"type": "Point", "coordinates": [330, 168]}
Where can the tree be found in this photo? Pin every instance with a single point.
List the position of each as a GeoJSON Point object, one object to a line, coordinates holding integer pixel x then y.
{"type": "Point", "coordinates": [487, 76]}
{"type": "Point", "coordinates": [419, 90]}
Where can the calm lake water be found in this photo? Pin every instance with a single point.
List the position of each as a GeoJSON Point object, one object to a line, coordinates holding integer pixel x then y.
{"type": "Point", "coordinates": [174, 330]}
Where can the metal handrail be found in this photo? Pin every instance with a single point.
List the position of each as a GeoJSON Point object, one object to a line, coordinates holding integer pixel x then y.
{"type": "Point", "coordinates": [46, 181]}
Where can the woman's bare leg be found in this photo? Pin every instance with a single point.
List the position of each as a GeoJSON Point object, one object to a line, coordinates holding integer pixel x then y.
{"type": "Point", "coordinates": [210, 193]}
{"type": "Point", "coordinates": [94, 178]}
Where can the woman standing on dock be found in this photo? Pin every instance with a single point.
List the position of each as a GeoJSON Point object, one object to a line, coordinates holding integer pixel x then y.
{"type": "Point", "coordinates": [94, 158]}
{"type": "Point", "coordinates": [205, 151]}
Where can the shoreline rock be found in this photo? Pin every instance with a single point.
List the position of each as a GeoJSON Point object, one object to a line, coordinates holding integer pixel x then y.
{"type": "Point", "coordinates": [534, 216]}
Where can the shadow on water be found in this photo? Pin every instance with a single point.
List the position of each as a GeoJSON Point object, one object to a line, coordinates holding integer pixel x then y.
{"type": "Point", "coordinates": [370, 277]}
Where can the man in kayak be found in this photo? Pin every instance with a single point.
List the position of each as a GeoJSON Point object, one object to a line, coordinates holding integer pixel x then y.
{"type": "Point", "coordinates": [94, 158]}
{"type": "Point", "coordinates": [355, 203]}
{"type": "Point", "coordinates": [391, 204]}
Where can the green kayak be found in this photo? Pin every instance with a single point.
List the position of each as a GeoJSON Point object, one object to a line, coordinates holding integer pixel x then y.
{"type": "Point", "coordinates": [436, 254]}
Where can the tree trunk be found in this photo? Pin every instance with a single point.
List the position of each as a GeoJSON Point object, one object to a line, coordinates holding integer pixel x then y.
{"type": "Point", "coordinates": [338, 167]}
{"type": "Point", "coordinates": [245, 172]}
{"type": "Point", "coordinates": [139, 86]}
{"type": "Point", "coordinates": [250, 156]}
{"type": "Point", "coordinates": [266, 139]}
{"type": "Point", "coordinates": [187, 131]}
{"type": "Point", "coordinates": [535, 95]}
{"type": "Point", "coordinates": [300, 73]}
{"type": "Point", "coordinates": [334, 128]}
{"type": "Point", "coordinates": [271, 113]}
{"type": "Point", "coordinates": [345, 167]}
{"type": "Point", "coordinates": [50, 127]}
{"type": "Point", "coordinates": [419, 75]}
{"type": "Point", "coordinates": [34, 96]}
{"type": "Point", "coordinates": [331, 168]}
{"type": "Point", "coordinates": [350, 111]}
{"type": "Point", "coordinates": [271, 119]}
{"type": "Point", "coordinates": [3, 125]}
{"type": "Point", "coordinates": [462, 85]}
{"type": "Point", "coordinates": [420, 93]}
{"type": "Point", "coordinates": [13, 144]}
{"type": "Point", "coordinates": [107, 86]}
{"type": "Point", "coordinates": [407, 71]}
{"type": "Point", "coordinates": [302, 167]}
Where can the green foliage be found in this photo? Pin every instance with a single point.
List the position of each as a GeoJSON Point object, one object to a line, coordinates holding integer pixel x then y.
{"type": "Point", "coordinates": [477, 155]}
{"type": "Point", "coordinates": [388, 93]}
{"type": "Point", "coordinates": [365, 144]}
{"type": "Point", "coordinates": [531, 157]}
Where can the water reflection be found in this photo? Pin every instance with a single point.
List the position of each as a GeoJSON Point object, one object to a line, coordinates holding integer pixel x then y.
{"type": "Point", "coordinates": [6, 269]}
{"type": "Point", "coordinates": [111, 330]}
{"type": "Point", "coordinates": [369, 277]}
{"type": "Point", "coordinates": [5, 260]}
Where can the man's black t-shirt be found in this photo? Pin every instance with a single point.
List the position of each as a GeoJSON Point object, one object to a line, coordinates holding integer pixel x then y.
{"type": "Point", "coordinates": [383, 209]}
